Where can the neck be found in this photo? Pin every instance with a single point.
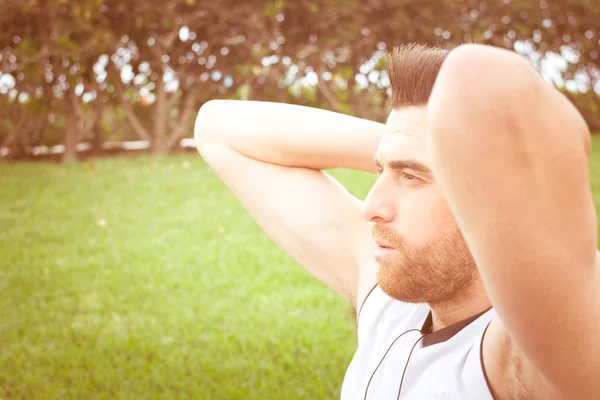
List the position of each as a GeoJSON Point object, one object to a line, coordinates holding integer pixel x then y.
{"type": "Point", "coordinates": [447, 313]}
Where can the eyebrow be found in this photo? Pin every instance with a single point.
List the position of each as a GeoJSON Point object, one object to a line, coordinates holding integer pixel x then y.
{"type": "Point", "coordinates": [402, 164]}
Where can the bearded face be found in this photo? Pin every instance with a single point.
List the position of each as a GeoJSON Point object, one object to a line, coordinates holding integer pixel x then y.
{"type": "Point", "coordinates": [422, 255]}
{"type": "Point", "coordinates": [435, 272]}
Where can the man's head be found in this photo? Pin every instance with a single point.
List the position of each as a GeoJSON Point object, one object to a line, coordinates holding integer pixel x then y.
{"type": "Point", "coordinates": [422, 255]}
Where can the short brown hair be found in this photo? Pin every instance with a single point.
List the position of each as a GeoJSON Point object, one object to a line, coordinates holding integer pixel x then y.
{"type": "Point", "coordinates": [413, 69]}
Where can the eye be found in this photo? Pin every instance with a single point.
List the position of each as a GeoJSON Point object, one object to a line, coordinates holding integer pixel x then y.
{"type": "Point", "coordinates": [409, 177]}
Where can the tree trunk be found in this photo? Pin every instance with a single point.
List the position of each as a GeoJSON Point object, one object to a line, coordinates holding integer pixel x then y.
{"type": "Point", "coordinates": [161, 118]}
{"type": "Point", "coordinates": [97, 136]}
{"type": "Point", "coordinates": [97, 139]}
{"type": "Point", "coordinates": [70, 154]}
{"type": "Point", "coordinates": [12, 137]}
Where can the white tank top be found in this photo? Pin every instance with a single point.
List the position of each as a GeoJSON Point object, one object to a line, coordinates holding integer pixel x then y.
{"type": "Point", "coordinates": [395, 360]}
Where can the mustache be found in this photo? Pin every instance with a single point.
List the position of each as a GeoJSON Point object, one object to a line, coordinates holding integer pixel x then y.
{"type": "Point", "coordinates": [388, 235]}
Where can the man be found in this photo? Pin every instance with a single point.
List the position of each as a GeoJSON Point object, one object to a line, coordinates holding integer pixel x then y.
{"type": "Point", "coordinates": [474, 263]}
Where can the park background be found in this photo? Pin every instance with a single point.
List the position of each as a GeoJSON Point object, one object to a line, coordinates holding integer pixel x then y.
{"type": "Point", "coordinates": [127, 270]}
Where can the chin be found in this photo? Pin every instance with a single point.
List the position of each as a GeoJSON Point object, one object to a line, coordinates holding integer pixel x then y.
{"type": "Point", "coordinates": [405, 284]}
{"type": "Point", "coordinates": [438, 272]}
{"type": "Point", "coordinates": [424, 282]}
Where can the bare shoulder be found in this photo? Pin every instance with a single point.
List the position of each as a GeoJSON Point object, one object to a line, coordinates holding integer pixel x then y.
{"type": "Point", "coordinates": [511, 375]}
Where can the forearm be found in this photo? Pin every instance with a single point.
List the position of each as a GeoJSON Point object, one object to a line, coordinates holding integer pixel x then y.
{"type": "Point", "coordinates": [290, 135]}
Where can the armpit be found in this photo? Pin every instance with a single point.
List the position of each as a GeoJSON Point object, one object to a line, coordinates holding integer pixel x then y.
{"type": "Point", "coordinates": [510, 374]}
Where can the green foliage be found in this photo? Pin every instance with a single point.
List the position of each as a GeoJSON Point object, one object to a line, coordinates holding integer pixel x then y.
{"type": "Point", "coordinates": [53, 46]}
{"type": "Point", "coordinates": [273, 7]}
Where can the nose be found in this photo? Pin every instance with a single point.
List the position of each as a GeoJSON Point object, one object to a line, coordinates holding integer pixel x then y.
{"type": "Point", "coordinates": [378, 208]}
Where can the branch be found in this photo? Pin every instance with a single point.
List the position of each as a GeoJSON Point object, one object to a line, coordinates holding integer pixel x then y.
{"type": "Point", "coordinates": [181, 129]}
{"type": "Point", "coordinates": [326, 91]}
{"type": "Point", "coordinates": [172, 124]}
{"type": "Point", "coordinates": [93, 119]}
{"type": "Point", "coordinates": [129, 112]}
{"type": "Point", "coordinates": [189, 19]}
{"type": "Point", "coordinates": [81, 119]}
{"type": "Point", "coordinates": [169, 39]}
{"type": "Point", "coordinates": [13, 135]}
{"type": "Point", "coordinates": [184, 100]}
{"type": "Point", "coordinates": [171, 100]}
{"type": "Point", "coordinates": [134, 121]}
{"type": "Point", "coordinates": [76, 105]}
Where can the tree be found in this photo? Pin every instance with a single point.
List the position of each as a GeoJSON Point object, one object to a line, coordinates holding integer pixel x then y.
{"type": "Point", "coordinates": [195, 47]}
{"type": "Point", "coordinates": [76, 63]}
{"type": "Point", "coordinates": [53, 48]}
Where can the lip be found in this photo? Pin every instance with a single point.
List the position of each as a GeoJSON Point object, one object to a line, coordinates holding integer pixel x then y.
{"type": "Point", "coordinates": [383, 249]}
{"type": "Point", "coordinates": [383, 252]}
{"type": "Point", "coordinates": [383, 244]}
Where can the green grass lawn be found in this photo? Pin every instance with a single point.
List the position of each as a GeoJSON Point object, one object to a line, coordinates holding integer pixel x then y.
{"type": "Point", "coordinates": [139, 278]}
{"type": "Point", "coordinates": [143, 278]}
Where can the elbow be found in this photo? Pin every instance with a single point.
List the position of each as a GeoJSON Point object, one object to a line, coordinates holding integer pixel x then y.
{"type": "Point", "coordinates": [207, 127]}
{"type": "Point", "coordinates": [476, 79]}
{"type": "Point", "coordinates": [485, 71]}
{"type": "Point", "coordinates": [477, 84]}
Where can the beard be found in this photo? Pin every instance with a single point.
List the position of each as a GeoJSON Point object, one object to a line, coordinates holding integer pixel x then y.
{"type": "Point", "coordinates": [442, 271]}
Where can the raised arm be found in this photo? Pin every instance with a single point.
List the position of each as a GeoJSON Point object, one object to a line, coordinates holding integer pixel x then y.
{"type": "Point", "coordinates": [509, 152]}
{"type": "Point", "coordinates": [271, 156]}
